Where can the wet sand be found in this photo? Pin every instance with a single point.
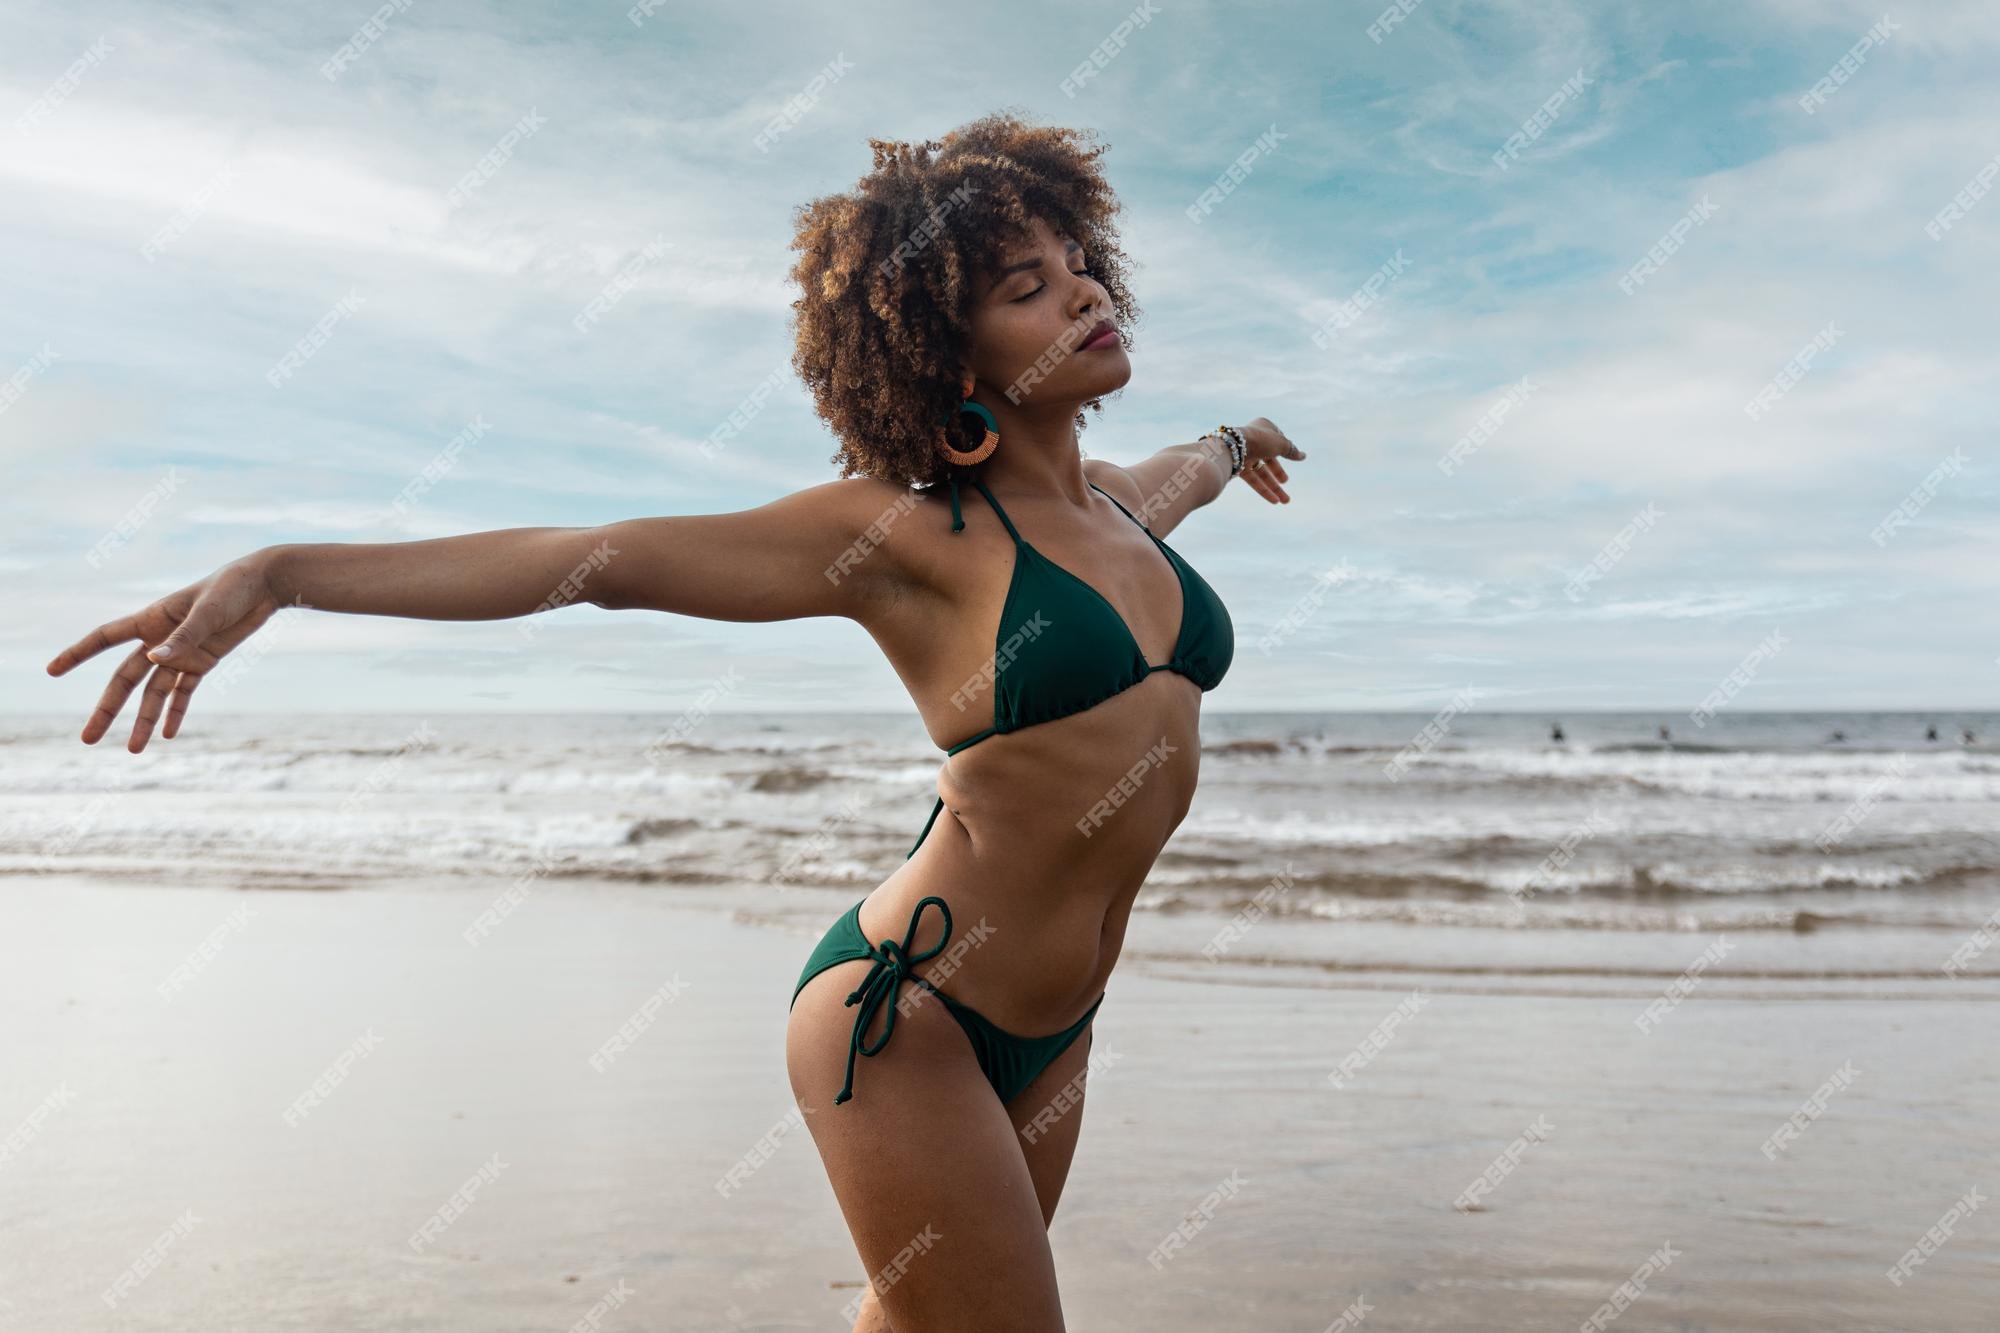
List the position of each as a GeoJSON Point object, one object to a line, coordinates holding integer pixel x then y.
{"type": "Point", "coordinates": [163, 1139]}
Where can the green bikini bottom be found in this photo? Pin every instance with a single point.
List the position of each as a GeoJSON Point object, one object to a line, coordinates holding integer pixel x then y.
{"type": "Point", "coordinates": [1010, 1062]}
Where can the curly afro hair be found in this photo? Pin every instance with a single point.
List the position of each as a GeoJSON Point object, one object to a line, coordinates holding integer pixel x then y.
{"type": "Point", "coordinates": [885, 276]}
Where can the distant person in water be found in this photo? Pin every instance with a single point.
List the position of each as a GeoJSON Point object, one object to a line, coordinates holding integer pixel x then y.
{"type": "Point", "coordinates": [1556, 732]}
{"type": "Point", "coordinates": [1666, 735]}
{"type": "Point", "coordinates": [1966, 737]}
{"type": "Point", "coordinates": [1930, 733]}
{"type": "Point", "coordinates": [1838, 736]}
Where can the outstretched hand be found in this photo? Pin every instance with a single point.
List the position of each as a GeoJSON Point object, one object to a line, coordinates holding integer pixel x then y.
{"type": "Point", "coordinates": [1264, 445]}
{"type": "Point", "coordinates": [181, 638]}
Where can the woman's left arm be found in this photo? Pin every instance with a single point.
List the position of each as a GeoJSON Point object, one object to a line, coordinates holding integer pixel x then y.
{"type": "Point", "coordinates": [1181, 478]}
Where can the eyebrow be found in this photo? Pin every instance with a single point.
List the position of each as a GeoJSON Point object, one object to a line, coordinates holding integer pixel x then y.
{"type": "Point", "coordinates": [1036, 262]}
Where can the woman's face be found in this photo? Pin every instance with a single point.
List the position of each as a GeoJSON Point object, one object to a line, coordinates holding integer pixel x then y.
{"type": "Point", "coordinates": [1033, 318]}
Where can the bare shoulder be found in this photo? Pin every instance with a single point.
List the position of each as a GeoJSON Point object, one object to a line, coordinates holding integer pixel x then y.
{"type": "Point", "coordinates": [1117, 482]}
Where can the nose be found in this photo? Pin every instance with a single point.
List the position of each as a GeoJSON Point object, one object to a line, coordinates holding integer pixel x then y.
{"type": "Point", "coordinates": [1082, 296]}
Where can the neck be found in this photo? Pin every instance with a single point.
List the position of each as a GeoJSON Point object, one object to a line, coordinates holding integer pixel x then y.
{"type": "Point", "coordinates": [1038, 453]}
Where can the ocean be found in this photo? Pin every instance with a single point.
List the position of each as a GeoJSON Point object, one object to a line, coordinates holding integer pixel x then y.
{"type": "Point", "coordinates": [1388, 827]}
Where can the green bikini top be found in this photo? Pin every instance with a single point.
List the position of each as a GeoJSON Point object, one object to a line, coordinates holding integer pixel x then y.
{"type": "Point", "coordinates": [1062, 648]}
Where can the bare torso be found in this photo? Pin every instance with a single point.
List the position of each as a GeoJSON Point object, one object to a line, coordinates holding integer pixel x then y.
{"type": "Point", "coordinates": [1006, 851]}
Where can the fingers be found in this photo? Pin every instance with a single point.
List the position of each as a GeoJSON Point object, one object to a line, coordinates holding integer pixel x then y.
{"type": "Point", "coordinates": [1264, 480]}
{"type": "Point", "coordinates": [93, 643]}
{"type": "Point", "coordinates": [177, 705]}
{"type": "Point", "coordinates": [183, 645]}
{"type": "Point", "coordinates": [127, 677]}
{"type": "Point", "coordinates": [150, 704]}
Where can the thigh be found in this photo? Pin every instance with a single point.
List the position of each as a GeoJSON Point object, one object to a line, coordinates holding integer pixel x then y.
{"type": "Point", "coordinates": [1047, 1117]}
{"type": "Point", "coordinates": [926, 1164]}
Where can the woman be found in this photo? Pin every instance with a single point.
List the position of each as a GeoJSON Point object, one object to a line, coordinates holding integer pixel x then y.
{"type": "Point", "coordinates": [958, 311]}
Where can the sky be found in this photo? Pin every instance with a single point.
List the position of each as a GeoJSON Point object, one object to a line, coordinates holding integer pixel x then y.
{"type": "Point", "coordinates": [1544, 473]}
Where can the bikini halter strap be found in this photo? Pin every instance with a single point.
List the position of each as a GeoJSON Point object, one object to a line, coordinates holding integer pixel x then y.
{"type": "Point", "coordinates": [958, 520]}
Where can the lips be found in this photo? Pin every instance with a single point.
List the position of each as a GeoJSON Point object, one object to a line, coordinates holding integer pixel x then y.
{"type": "Point", "coordinates": [1103, 335]}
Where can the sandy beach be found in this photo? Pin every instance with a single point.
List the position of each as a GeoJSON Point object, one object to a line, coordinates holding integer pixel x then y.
{"type": "Point", "coordinates": [484, 1150]}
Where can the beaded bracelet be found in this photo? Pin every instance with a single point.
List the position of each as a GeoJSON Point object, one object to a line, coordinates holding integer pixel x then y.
{"type": "Point", "coordinates": [1232, 439]}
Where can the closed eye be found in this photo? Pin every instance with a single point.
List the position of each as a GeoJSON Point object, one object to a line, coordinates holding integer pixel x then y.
{"type": "Point", "coordinates": [1085, 271]}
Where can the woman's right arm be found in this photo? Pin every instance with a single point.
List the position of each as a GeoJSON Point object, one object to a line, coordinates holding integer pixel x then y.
{"type": "Point", "coordinates": [825, 550]}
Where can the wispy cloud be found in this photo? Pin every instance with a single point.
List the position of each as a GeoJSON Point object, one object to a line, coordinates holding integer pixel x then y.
{"type": "Point", "coordinates": [281, 191]}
